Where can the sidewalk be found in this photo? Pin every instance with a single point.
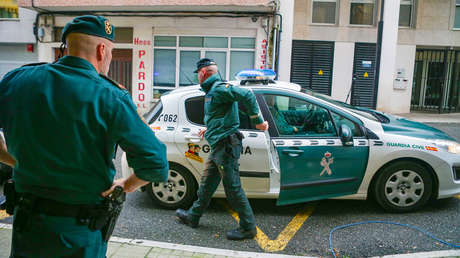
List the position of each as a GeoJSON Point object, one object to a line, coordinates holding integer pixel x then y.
{"type": "Point", "coordinates": [432, 117]}
{"type": "Point", "coordinates": [132, 248]}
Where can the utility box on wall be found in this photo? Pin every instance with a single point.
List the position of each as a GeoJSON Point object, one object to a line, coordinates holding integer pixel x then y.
{"type": "Point", "coordinates": [401, 82]}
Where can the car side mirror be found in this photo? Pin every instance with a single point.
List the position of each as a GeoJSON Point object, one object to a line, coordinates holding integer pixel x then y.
{"type": "Point", "coordinates": [346, 135]}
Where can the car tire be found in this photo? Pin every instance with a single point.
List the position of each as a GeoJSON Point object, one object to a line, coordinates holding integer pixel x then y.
{"type": "Point", "coordinates": [403, 186]}
{"type": "Point", "coordinates": [178, 192]}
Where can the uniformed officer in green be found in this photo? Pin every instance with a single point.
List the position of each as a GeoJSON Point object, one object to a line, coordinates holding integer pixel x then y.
{"type": "Point", "coordinates": [221, 120]}
{"type": "Point", "coordinates": [62, 122]}
{"type": "Point", "coordinates": [284, 128]}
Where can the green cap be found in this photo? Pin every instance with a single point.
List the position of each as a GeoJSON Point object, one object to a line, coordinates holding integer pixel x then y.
{"type": "Point", "coordinates": [90, 24]}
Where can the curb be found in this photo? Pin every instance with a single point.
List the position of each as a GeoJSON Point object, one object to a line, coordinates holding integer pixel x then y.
{"type": "Point", "coordinates": [241, 254]}
{"type": "Point", "coordinates": [197, 249]}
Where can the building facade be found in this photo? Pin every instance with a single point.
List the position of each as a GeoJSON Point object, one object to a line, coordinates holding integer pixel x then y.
{"type": "Point", "coordinates": [17, 40]}
{"type": "Point", "coordinates": [329, 46]}
{"type": "Point", "coordinates": [334, 41]}
{"type": "Point", "coordinates": [157, 43]}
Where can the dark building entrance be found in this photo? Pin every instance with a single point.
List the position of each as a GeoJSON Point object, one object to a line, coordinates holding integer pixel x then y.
{"type": "Point", "coordinates": [436, 85]}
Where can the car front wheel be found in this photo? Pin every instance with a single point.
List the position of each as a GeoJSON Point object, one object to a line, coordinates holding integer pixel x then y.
{"type": "Point", "coordinates": [403, 187]}
{"type": "Point", "coordinates": [178, 192]}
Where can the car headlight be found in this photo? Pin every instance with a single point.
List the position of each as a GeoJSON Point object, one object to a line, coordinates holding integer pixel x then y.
{"type": "Point", "coordinates": [449, 146]}
{"type": "Point", "coordinates": [454, 148]}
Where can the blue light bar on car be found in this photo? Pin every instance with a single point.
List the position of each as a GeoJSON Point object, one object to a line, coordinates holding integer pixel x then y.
{"type": "Point", "coordinates": [256, 75]}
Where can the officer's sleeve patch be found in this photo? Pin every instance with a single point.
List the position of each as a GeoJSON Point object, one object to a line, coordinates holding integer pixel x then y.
{"type": "Point", "coordinates": [118, 85]}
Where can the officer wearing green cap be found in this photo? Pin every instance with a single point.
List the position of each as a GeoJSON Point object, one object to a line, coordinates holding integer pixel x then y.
{"type": "Point", "coordinates": [62, 122]}
{"type": "Point", "coordinates": [221, 120]}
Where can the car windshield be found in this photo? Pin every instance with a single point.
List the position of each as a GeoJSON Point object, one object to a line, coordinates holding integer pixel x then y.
{"type": "Point", "coordinates": [367, 113]}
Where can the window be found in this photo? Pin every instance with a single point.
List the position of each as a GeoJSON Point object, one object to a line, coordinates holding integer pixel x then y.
{"type": "Point", "coordinates": [296, 117]}
{"type": "Point", "coordinates": [457, 15]}
{"type": "Point", "coordinates": [324, 11]}
{"type": "Point", "coordinates": [405, 13]}
{"type": "Point", "coordinates": [240, 60]}
{"type": "Point", "coordinates": [9, 9]}
{"type": "Point", "coordinates": [194, 109]}
{"type": "Point", "coordinates": [175, 58]}
{"type": "Point", "coordinates": [339, 120]}
{"type": "Point", "coordinates": [362, 12]}
{"type": "Point", "coordinates": [164, 67]}
{"type": "Point", "coordinates": [186, 67]}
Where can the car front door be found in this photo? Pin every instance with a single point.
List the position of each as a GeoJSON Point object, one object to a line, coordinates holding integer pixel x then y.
{"type": "Point", "coordinates": [254, 165]}
{"type": "Point", "coordinates": [314, 163]}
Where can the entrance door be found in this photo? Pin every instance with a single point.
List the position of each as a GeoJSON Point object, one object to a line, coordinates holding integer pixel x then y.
{"type": "Point", "coordinates": [121, 67]}
{"type": "Point", "coordinates": [436, 77]}
{"type": "Point", "coordinates": [363, 92]}
{"type": "Point", "coordinates": [313, 161]}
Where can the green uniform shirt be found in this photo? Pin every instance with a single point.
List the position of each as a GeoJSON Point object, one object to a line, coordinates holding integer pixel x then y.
{"type": "Point", "coordinates": [221, 108]}
{"type": "Point", "coordinates": [62, 122]}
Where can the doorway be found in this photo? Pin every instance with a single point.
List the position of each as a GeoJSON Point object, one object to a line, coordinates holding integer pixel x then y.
{"type": "Point", "coordinates": [436, 81]}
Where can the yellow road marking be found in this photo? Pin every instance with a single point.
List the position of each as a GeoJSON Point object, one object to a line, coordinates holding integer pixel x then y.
{"type": "Point", "coordinates": [3, 214]}
{"type": "Point", "coordinates": [284, 237]}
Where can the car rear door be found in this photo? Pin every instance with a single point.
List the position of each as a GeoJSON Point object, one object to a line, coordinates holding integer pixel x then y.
{"type": "Point", "coordinates": [254, 165]}
{"type": "Point", "coordinates": [313, 161]}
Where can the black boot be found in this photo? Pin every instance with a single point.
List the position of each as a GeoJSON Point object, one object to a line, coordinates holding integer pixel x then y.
{"type": "Point", "coordinates": [187, 219]}
{"type": "Point", "coordinates": [240, 234]}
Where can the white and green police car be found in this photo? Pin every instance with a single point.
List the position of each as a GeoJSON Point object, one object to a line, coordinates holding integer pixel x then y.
{"type": "Point", "coordinates": [315, 148]}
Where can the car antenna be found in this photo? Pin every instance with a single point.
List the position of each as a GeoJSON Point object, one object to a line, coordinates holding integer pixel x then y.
{"type": "Point", "coordinates": [222, 79]}
{"type": "Point", "coordinates": [355, 77]}
{"type": "Point", "coordinates": [185, 74]}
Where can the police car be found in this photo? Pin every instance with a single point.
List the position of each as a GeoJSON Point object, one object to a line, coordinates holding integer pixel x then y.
{"type": "Point", "coordinates": [315, 148]}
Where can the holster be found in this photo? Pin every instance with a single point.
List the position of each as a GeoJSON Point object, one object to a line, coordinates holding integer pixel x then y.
{"type": "Point", "coordinates": [108, 213]}
{"type": "Point", "coordinates": [11, 197]}
{"type": "Point", "coordinates": [231, 140]}
{"type": "Point", "coordinates": [97, 217]}
{"type": "Point", "coordinates": [25, 209]}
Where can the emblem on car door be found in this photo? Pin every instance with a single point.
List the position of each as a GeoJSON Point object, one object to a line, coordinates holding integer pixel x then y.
{"type": "Point", "coordinates": [194, 152]}
{"type": "Point", "coordinates": [325, 162]}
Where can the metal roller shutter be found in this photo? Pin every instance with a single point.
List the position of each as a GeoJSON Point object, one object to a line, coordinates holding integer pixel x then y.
{"type": "Point", "coordinates": [363, 93]}
{"type": "Point", "coordinates": [312, 65]}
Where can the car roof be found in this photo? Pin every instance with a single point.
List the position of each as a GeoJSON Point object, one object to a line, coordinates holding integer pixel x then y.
{"type": "Point", "coordinates": [272, 84]}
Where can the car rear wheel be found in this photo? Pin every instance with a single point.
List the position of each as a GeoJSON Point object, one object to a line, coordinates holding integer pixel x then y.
{"type": "Point", "coordinates": [403, 187]}
{"type": "Point", "coordinates": [178, 192]}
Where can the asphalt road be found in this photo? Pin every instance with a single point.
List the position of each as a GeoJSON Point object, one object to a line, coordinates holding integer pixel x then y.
{"type": "Point", "coordinates": [141, 219]}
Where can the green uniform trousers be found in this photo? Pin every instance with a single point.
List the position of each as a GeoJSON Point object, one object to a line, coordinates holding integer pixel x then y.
{"type": "Point", "coordinates": [50, 236]}
{"type": "Point", "coordinates": [223, 165]}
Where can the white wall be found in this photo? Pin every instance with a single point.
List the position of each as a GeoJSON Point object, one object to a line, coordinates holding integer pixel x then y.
{"type": "Point", "coordinates": [343, 70]}
{"type": "Point", "coordinates": [287, 11]}
{"type": "Point", "coordinates": [388, 57]}
{"type": "Point", "coordinates": [18, 30]}
{"type": "Point", "coordinates": [398, 100]}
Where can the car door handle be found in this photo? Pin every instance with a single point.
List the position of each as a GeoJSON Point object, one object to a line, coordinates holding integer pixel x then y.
{"type": "Point", "coordinates": [292, 153]}
{"type": "Point", "coordinates": [193, 138]}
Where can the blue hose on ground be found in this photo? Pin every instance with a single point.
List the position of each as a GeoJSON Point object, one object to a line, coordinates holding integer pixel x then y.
{"type": "Point", "coordinates": [387, 222]}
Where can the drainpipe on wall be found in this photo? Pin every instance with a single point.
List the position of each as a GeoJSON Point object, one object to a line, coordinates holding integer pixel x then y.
{"type": "Point", "coordinates": [379, 51]}
{"type": "Point", "coordinates": [276, 37]}
{"type": "Point", "coordinates": [443, 100]}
